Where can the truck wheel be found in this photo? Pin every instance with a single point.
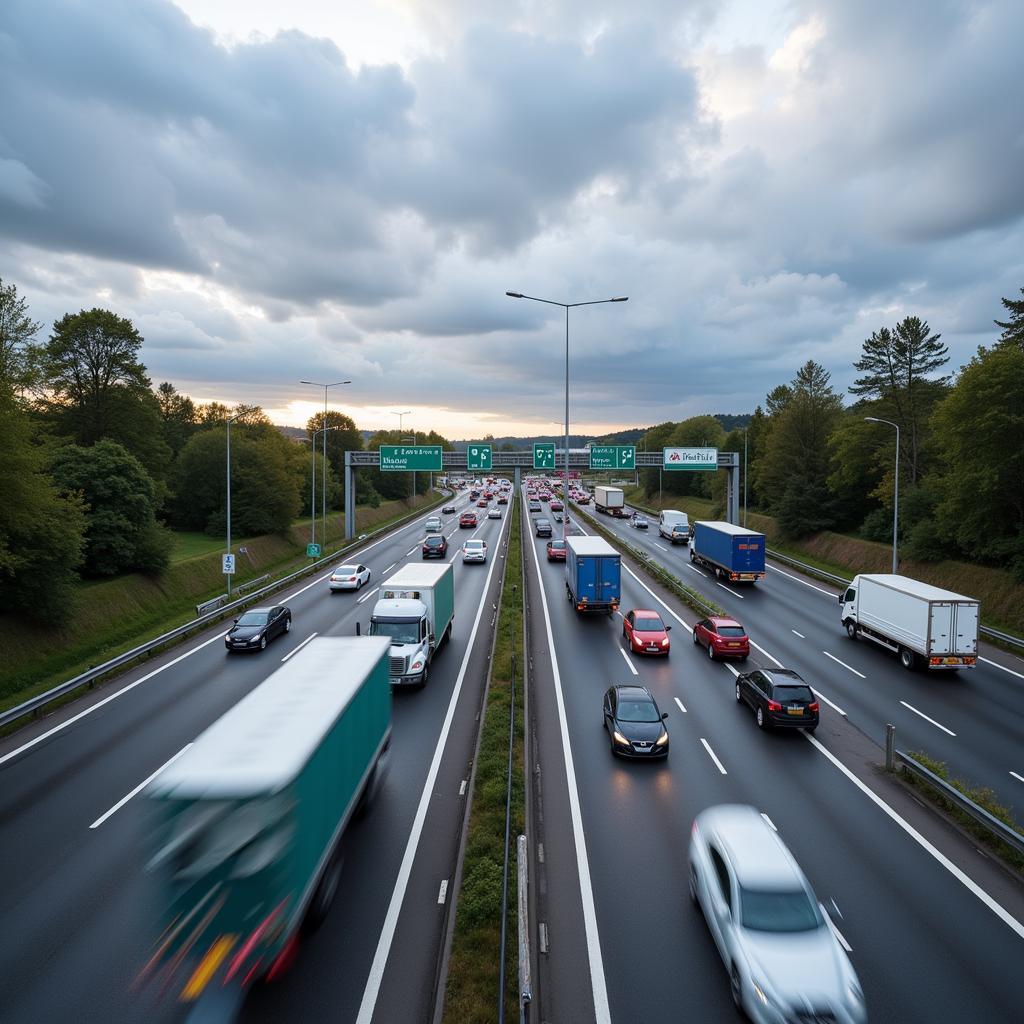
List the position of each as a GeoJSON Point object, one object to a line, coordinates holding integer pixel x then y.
{"type": "Point", "coordinates": [739, 698]}
{"type": "Point", "coordinates": [908, 659]}
{"type": "Point", "coordinates": [851, 629]}
{"type": "Point", "coordinates": [324, 895]}
{"type": "Point", "coordinates": [692, 559]}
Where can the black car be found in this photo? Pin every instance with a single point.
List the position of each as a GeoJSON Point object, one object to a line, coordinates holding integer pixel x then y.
{"type": "Point", "coordinates": [435, 547]}
{"type": "Point", "coordinates": [257, 627]}
{"type": "Point", "coordinates": [636, 728]}
{"type": "Point", "coordinates": [448, 510]}
{"type": "Point", "coordinates": [779, 697]}
{"type": "Point", "coordinates": [542, 527]}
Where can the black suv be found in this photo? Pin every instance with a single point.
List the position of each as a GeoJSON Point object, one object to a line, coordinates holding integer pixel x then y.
{"type": "Point", "coordinates": [542, 527]}
{"type": "Point", "coordinates": [779, 697]}
{"type": "Point", "coordinates": [435, 547]}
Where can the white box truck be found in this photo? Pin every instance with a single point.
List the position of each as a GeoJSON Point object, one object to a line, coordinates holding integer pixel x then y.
{"type": "Point", "coordinates": [923, 624]}
{"type": "Point", "coordinates": [415, 609]}
{"type": "Point", "coordinates": [610, 500]}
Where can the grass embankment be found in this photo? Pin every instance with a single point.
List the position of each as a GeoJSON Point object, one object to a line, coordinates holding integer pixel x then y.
{"type": "Point", "coordinates": [471, 995]}
{"type": "Point", "coordinates": [1001, 596]}
{"type": "Point", "coordinates": [112, 616]}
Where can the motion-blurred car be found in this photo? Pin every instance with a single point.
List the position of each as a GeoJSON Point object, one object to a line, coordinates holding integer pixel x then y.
{"type": "Point", "coordinates": [435, 547]}
{"type": "Point", "coordinates": [779, 697]}
{"type": "Point", "coordinates": [468, 520]}
{"type": "Point", "coordinates": [724, 638]}
{"type": "Point", "coordinates": [638, 522]}
{"type": "Point", "coordinates": [494, 513]}
{"type": "Point", "coordinates": [784, 959]}
{"type": "Point", "coordinates": [636, 727]}
{"type": "Point", "coordinates": [448, 510]}
{"type": "Point", "coordinates": [558, 517]}
{"type": "Point", "coordinates": [646, 632]}
{"type": "Point", "coordinates": [433, 524]}
{"type": "Point", "coordinates": [348, 577]}
{"type": "Point", "coordinates": [556, 550]}
{"type": "Point", "coordinates": [474, 550]}
{"type": "Point", "coordinates": [257, 627]}
{"type": "Point", "coordinates": [542, 527]}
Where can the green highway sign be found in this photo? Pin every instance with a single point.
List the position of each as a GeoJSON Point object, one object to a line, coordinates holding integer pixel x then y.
{"type": "Point", "coordinates": [613, 456]}
{"type": "Point", "coordinates": [312, 550]}
{"type": "Point", "coordinates": [406, 458]}
{"type": "Point", "coordinates": [690, 458]}
{"type": "Point", "coordinates": [478, 456]}
{"type": "Point", "coordinates": [544, 455]}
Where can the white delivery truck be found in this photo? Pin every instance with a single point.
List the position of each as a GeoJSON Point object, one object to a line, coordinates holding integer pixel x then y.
{"type": "Point", "coordinates": [675, 526]}
{"type": "Point", "coordinates": [921, 623]}
{"type": "Point", "coordinates": [415, 609]}
{"type": "Point", "coordinates": [610, 500]}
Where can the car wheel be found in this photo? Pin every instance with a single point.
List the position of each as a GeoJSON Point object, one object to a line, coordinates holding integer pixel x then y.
{"type": "Point", "coordinates": [851, 629]}
{"type": "Point", "coordinates": [734, 986]}
{"type": "Point", "coordinates": [696, 640]}
{"type": "Point", "coordinates": [693, 888]}
{"type": "Point", "coordinates": [263, 643]}
{"type": "Point", "coordinates": [739, 696]}
{"type": "Point", "coordinates": [288, 624]}
{"type": "Point", "coordinates": [711, 650]}
{"type": "Point", "coordinates": [907, 658]}
{"type": "Point", "coordinates": [761, 721]}
{"type": "Point", "coordinates": [359, 584]}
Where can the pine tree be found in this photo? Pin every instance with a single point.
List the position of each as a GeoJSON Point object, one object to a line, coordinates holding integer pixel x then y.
{"type": "Point", "coordinates": [1013, 329]}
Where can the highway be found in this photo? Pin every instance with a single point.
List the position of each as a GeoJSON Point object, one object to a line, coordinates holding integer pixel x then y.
{"type": "Point", "coordinates": [78, 908]}
{"type": "Point", "coordinates": [931, 939]}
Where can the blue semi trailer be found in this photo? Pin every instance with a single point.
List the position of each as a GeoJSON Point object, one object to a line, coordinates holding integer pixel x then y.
{"type": "Point", "coordinates": [730, 552]}
{"type": "Point", "coordinates": [593, 574]}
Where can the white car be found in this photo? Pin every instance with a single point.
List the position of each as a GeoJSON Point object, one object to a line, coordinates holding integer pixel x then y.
{"type": "Point", "coordinates": [784, 959]}
{"type": "Point", "coordinates": [474, 551]}
{"type": "Point", "coordinates": [349, 577]}
{"type": "Point", "coordinates": [494, 513]}
{"type": "Point", "coordinates": [433, 525]}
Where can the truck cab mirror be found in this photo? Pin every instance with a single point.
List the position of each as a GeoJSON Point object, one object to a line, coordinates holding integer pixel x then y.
{"type": "Point", "coordinates": [234, 622]}
{"type": "Point", "coordinates": [841, 598]}
{"type": "Point", "coordinates": [431, 638]}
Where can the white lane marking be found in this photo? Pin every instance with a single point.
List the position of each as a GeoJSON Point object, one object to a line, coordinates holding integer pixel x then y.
{"type": "Point", "coordinates": [995, 664]}
{"type": "Point", "coordinates": [937, 725]}
{"type": "Point", "coordinates": [821, 696]}
{"type": "Point", "coordinates": [625, 657]}
{"type": "Point", "coordinates": [602, 1013]}
{"type": "Point", "coordinates": [389, 568]}
{"type": "Point", "coordinates": [442, 892]}
{"type": "Point", "coordinates": [769, 822]}
{"type": "Point", "coordinates": [387, 932]}
{"type": "Point", "coordinates": [765, 653]}
{"type": "Point", "coordinates": [728, 589]}
{"type": "Point", "coordinates": [367, 596]}
{"type": "Point", "coordinates": [462, 788]}
{"type": "Point", "coordinates": [829, 595]}
{"type": "Point", "coordinates": [959, 875]}
{"type": "Point", "coordinates": [680, 703]}
{"type": "Point", "coordinates": [142, 785]}
{"type": "Point", "coordinates": [835, 906]}
{"type": "Point", "coordinates": [802, 637]}
{"type": "Point", "coordinates": [843, 663]}
{"type": "Point", "coordinates": [711, 754]}
{"type": "Point", "coordinates": [299, 648]}
{"type": "Point", "coordinates": [411, 551]}
{"type": "Point", "coordinates": [839, 935]}
{"type": "Point", "coordinates": [1019, 778]}
{"type": "Point", "coordinates": [657, 545]}
{"type": "Point", "coordinates": [699, 572]}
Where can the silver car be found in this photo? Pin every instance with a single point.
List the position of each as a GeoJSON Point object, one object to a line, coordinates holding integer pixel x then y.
{"type": "Point", "coordinates": [474, 551]}
{"type": "Point", "coordinates": [433, 525]}
{"type": "Point", "coordinates": [783, 955]}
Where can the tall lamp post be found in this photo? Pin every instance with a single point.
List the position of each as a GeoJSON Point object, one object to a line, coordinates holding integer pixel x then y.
{"type": "Point", "coordinates": [566, 306]}
{"type": "Point", "coordinates": [312, 484]}
{"type": "Point", "coordinates": [412, 440]}
{"type": "Point", "coordinates": [401, 415]}
{"type": "Point", "coordinates": [230, 420]}
{"type": "Point", "coordinates": [895, 488]}
{"type": "Point", "coordinates": [744, 478]}
{"type": "Point", "coordinates": [317, 384]}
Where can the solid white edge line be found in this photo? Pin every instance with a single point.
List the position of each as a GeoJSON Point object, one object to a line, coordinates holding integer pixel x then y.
{"type": "Point", "coordinates": [680, 703]}
{"type": "Point", "coordinates": [442, 893]}
{"type": "Point", "coordinates": [299, 648]}
{"type": "Point", "coordinates": [830, 596]}
{"type": "Point", "coordinates": [713, 756]}
{"type": "Point", "coordinates": [598, 984]}
{"type": "Point", "coordinates": [849, 668]}
{"type": "Point", "coordinates": [802, 637]}
{"type": "Point", "coordinates": [142, 785]}
{"type": "Point", "coordinates": [387, 932]}
{"type": "Point", "coordinates": [942, 859]}
{"type": "Point", "coordinates": [1020, 778]}
{"type": "Point", "coordinates": [938, 725]}
{"type": "Point", "coordinates": [838, 934]}
{"type": "Point", "coordinates": [625, 657]}
{"type": "Point", "coordinates": [995, 664]}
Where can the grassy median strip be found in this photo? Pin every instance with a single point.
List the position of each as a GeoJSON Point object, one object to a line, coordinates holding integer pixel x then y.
{"type": "Point", "coordinates": [471, 995]}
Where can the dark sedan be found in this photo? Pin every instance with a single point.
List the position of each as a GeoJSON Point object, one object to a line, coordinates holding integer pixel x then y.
{"type": "Point", "coordinates": [542, 527]}
{"type": "Point", "coordinates": [257, 627]}
{"type": "Point", "coordinates": [636, 728]}
{"type": "Point", "coordinates": [779, 697]}
{"type": "Point", "coordinates": [435, 547]}
{"type": "Point", "coordinates": [448, 510]}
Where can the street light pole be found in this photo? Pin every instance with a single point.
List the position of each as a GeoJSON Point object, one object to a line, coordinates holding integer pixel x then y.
{"type": "Point", "coordinates": [312, 484]}
{"type": "Point", "coordinates": [895, 489]}
{"type": "Point", "coordinates": [400, 415]}
{"type": "Point", "coordinates": [317, 384]}
{"type": "Point", "coordinates": [566, 306]}
{"type": "Point", "coordinates": [230, 420]}
{"type": "Point", "coordinates": [744, 478]}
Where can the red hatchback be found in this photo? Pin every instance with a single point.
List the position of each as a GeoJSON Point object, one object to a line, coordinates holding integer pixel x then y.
{"type": "Point", "coordinates": [724, 638]}
{"type": "Point", "coordinates": [556, 550]}
{"type": "Point", "coordinates": [645, 631]}
{"type": "Point", "coordinates": [468, 520]}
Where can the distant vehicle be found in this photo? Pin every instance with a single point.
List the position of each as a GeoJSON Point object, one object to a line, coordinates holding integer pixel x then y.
{"type": "Point", "coordinates": [448, 510]}
{"type": "Point", "coordinates": [348, 577]}
{"type": "Point", "coordinates": [583, 499]}
{"type": "Point", "coordinates": [674, 526]}
{"type": "Point", "coordinates": [482, 503]}
{"type": "Point", "coordinates": [545, 496]}
{"type": "Point", "coordinates": [503, 498]}
{"type": "Point", "coordinates": [542, 527]}
{"type": "Point", "coordinates": [593, 574]}
{"type": "Point", "coordinates": [535, 506]}
{"type": "Point", "coordinates": [474, 494]}
{"type": "Point", "coordinates": [636, 728]}
{"type": "Point", "coordinates": [415, 609]}
{"type": "Point", "coordinates": [257, 627]}
{"type": "Point", "coordinates": [435, 547]}
{"type": "Point", "coordinates": [785, 961]}
{"type": "Point", "coordinates": [779, 697]}
{"type": "Point", "coordinates": [556, 550]}
{"type": "Point", "coordinates": [474, 550]}
{"type": "Point", "coordinates": [468, 520]}
{"type": "Point", "coordinates": [260, 824]}
{"type": "Point", "coordinates": [730, 552]}
{"type": "Point", "coordinates": [922, 624]}
{"type": "Point", "coordinates": [558, 517]}
{"type": "Point", "coordinates": [556, 506]}
{"type": "Point", "coordinates": [637, 521]}
{"type": "Point", "coordinates": [609, 500]}
{"type": "Point", "coordinates": [433, 524]}
{"type": "Point", "coordinates": [724, 638]}
{"type": "Point", "coordinates": [646, 632]}
{"type": "Point", "coordinates": [494, 513]}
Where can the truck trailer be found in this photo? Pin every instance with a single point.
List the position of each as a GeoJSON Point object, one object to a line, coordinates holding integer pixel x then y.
{"type": "Point", "coordinates": [593, 574]}
{"type": "Point", "coordinates": [414, 610]}
{"type": "Point", "coordinates": [730, 552]}
{"type": "Point", "coordinates": [610, 500]}
{"type": "Point", "coordinates": [247, 824]}
{"type": "Point", "coordinates": [924, 625]}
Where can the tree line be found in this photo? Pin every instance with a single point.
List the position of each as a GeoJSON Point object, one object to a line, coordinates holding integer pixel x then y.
{"type": "Point", "coordinates": [98, 466]}
{"type": "Point", "coordinates": [816, 463]}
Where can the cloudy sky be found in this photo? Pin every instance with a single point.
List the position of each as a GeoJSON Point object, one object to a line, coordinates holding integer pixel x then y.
{"type": "Point", "coordinates": [313, 189]}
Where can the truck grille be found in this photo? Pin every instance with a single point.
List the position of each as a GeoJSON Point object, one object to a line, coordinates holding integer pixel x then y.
{"type": "Point", "coordinates": [397, 666]}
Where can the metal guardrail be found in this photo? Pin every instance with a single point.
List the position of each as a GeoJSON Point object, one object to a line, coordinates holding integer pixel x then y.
{"type": "Point", "coordinates": [216, 602]}
{"type": "Point", "coordinates": [523, 905]}
{"type": "Point", "coordinates": [41, 700]}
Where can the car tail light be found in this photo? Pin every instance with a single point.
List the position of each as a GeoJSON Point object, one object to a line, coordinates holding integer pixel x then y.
{"type": "Point", "coordinates": [814, 706]}
{"type": "Point", "coordinates": [774, 705]}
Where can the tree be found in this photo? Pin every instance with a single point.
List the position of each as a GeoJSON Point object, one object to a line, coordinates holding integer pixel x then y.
{"type": "Point", "coordinates": [342, 436]}
{"type": "Point", "coordinates": [179, 416]}
{"type": "Point", "coordinates": [41, 531]}
{"type": "Point", "coordinates": [1013, 329]}
{"type": "Point", "coordinates": [120, 498]}
{"type": "Point", "coordinates": [19, 355]}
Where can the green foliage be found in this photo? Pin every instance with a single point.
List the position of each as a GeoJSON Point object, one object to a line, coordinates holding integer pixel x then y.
{"type": "Point", "coordinates": [178, 414]}
{"type": "Point", "coordinates": [19, 355]}
{"type": "Point", "coordinates": [1013, 329]}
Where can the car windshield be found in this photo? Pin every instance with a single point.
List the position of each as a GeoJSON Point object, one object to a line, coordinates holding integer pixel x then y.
{"type": "Point", "coordinates": [791, 693]}
{"type": "Point", "coordinates": [557, 545]}
{"type": "Point", "coordinates": [637, 711]}
{"type": "Point", "coordinates": [649, 625]}
{"type": "Point", "coordinates": [474, 545]}
{"type": "Point", "coordinates": [779, 911]}
{"type": "Point", "coordinates": [254, 619]}
{"type": "Point", "coordinates": [730, 631]}
{"type": "Point", "coordinates": [345, 570]}
{"type": "Point", "coordinates": [434, 542]}
{"type": "Point", "coordinates": [399, 632]}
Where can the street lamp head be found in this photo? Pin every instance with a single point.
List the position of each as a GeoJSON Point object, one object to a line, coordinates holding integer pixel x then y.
{"type": "Point", "coordinates": [621, 298]}
{"type": "Point", "coordinates": [872, 419]}
{"type": "Point", "coordinates": [514, 295]}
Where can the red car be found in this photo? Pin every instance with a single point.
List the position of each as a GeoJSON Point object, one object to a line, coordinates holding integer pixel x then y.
{"type": "Point", "coordinates": [556, 506]}
{"type": "Point", "coordinates": [435, 546]}
{"type": "Point", "coordinates": [724, 638]}
{"type": "Point", "coordinates": [482, 503]}
{"type": "Point", "coordinates": [467, 520]}
{"type": "Point", "coordinates": [502, 499]}
{"type": "Point", "coordinates": [645, 631]}
{"type": "Point", "coordinates": [556, 550]}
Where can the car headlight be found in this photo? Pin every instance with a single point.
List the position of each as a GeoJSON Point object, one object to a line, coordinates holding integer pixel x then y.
{"type": "Point", "coordinates": [760, 993]}
{"type": "Point", "coordinates": [664, 643]}
{"type": "Point", "coordinates": [619, 738]}
{"type": "Point", "coordinates": [662, 739]}
{"type": "Point", "coordinates": [417, 665]}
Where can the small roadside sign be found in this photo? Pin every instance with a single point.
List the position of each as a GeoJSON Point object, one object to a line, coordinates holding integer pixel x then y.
{"type": "Point", "coordinates": [312, 550]}
{"type": "Point", "coordinates": [227, 564]}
